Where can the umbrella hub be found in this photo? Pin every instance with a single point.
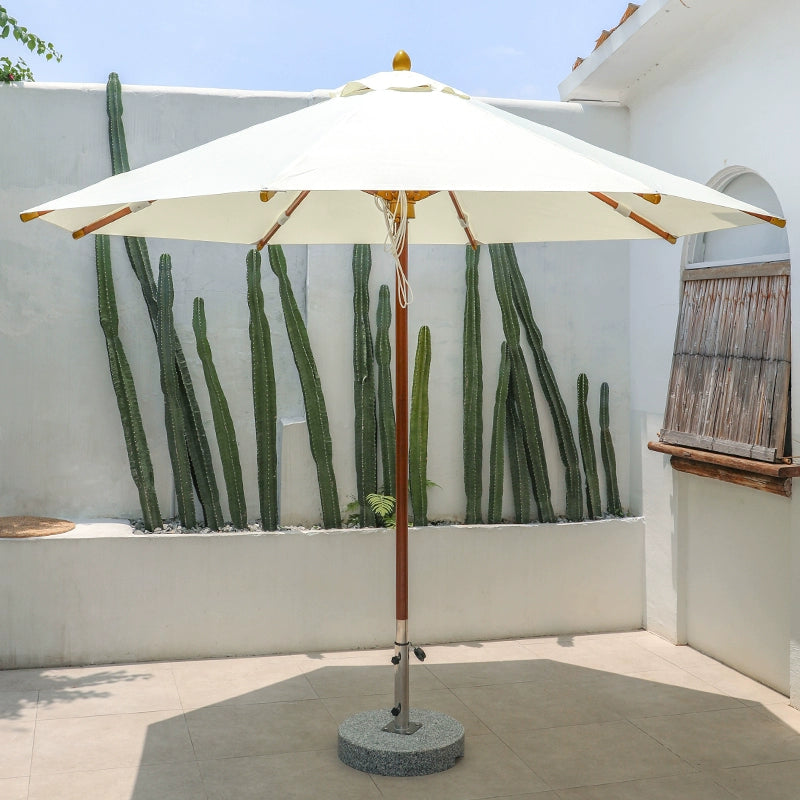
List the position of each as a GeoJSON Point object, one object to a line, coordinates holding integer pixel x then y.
{"type": "Point", "coordinates": [401, 61]}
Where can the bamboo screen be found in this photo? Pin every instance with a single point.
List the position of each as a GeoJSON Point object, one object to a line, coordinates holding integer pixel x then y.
{"type": "Point", "coordinates": [729, 388]}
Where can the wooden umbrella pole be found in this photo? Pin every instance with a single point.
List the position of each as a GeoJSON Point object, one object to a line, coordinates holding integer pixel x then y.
{"type": "Point", "coordinates": [400, 723]}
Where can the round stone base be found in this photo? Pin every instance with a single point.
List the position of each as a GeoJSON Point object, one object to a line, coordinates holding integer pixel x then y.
{"type": "Point", "coordinates": [364, 745]}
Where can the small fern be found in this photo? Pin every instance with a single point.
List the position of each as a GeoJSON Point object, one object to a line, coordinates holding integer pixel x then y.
{"type": "Point", "coordinates": [383, 505]}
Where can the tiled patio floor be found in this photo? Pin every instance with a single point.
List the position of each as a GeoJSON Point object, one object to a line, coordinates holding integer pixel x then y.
{"type": "Point", "coordinates": [603, 717]}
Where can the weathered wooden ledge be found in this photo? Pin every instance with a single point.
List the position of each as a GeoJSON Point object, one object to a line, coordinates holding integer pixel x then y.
{"type": "Point", "coordinates": [767, 477]}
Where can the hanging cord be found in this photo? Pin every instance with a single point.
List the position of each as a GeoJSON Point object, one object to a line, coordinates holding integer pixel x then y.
{"type": "Point", "coordinates": [396, 234]}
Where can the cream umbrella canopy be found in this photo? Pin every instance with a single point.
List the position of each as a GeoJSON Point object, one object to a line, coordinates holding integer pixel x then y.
{"type": "Point", "coordinates": [398, 154]}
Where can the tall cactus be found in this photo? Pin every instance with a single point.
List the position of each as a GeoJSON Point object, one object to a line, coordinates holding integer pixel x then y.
{"type": "Point", "coordinates": [517, 456]}
{"type": "Point", "coordinates": [587, 450]}
{"type": "Point", "coordinates": [366, 433]}
{"type": "Point", "coordinates": [173, 417]}
{"type": "Point", "coordinates": [319, 433]}
{"type": "Point", "coordinates": [223, 422]}
{"type": "Point", "coordinates": [566, 439]}
{"type": "Point", "coordinates": [473, 392]}
{"type": "Point", "coordinates": [135, 440]}
{"type": "Point", "coordinates": [614, 504]}
{"type": "Point", "coordinates": [197, 442]}
{"type": "Point", "coordinates": [386, 424]}
{"type": "Point", "coordinates": [265, 409]}
{"type": "Point", "coordinates": [418, 429]}
{"type": "Point", "coordinates": [529, 417]}
{"type": "Point", "coordinates": [494, 513]}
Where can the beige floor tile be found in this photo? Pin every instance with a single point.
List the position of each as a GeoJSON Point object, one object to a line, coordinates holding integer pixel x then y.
{"type": "Point", "coordinates": [487, 673]}
{"type": "Point", "coordinates": [488, 769]}
{"type": "Point", "coordinates": [696, 786]}
{"type": "Point", "coordinates": [605, 752]}
{"type": "Point", "coordinates": [13, 789]}
{"type": "Point", "coordinates": [146, 687]}
{"type": "Point", "coordinates": [18, 705]}
{"type": "Point", "coordinates": [779, 781]}
{"type": "Point", "coordinates": [475, 652]}
{"type": "Point", "coordinates": [782, 712]}
{"type": "Point", "coordinates": [520, 707]}
{"type": "Point", "coordinates": [261, 729]}
{"type": "Point", "coordinates": [110, 741]}
{"type": "Point", "coordinates": [442, 700]}
{"type": "Point", "coordinates": [659, 693]}
{"type": "Point", "coordinates": [314, 775]}
{"type": "Point", "coordinates": [16, 747]}
{"type": "Point", "coordinates": [343, 678]}
{"type": "Point", "coordinates": [614, 654]}
{"type": "Point", "coordinates": [153, 782]}
{"type": "Point", "coordinates": [240, 681]}
{"type": "Point", "coordinates": [728, 738]}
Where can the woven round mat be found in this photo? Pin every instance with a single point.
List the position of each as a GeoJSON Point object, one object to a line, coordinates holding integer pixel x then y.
{"type": "Point", "coordinates": [23, 527]}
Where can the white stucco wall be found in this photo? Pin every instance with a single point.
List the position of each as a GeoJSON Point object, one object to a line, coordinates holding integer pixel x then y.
{"type": "Point", "coordinates": [722, 560]}
{"type": "Point", "coordinates": [60, 437]}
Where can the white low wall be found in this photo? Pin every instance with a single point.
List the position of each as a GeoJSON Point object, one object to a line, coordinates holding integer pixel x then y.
{"type": "Point", "coordinates": [85, 597]}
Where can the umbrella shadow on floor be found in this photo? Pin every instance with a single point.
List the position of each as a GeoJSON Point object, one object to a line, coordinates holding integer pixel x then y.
{"type": "Point", "coordinates": [532, 725]}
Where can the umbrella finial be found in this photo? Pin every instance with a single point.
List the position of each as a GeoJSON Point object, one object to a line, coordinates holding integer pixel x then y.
{"type": "Point", "coordinates": [401, 61]}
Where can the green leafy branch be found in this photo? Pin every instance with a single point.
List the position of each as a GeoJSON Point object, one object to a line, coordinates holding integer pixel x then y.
{"type": "Point", "coordinates": [383, 506]}
{"type": "Point", "coordinates": [19, 70]}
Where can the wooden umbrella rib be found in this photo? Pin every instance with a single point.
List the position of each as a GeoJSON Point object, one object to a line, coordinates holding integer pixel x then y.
{"type": "Point", "coordinates": [473, 242]}
{"type": "Point", "coordinates": [27, 216]}
{"type": "Point", "coordinates": [108, 219]}
{"type": "Point", "coordinates": [778, 222]}
{"type": "Point", "coordinates": [638, 218]}
{"type": "Point", "coordinates": [282, 220]}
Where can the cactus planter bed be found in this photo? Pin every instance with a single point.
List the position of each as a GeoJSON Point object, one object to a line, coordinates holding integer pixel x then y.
{"type": "Point", "coordinates": [122, 597]}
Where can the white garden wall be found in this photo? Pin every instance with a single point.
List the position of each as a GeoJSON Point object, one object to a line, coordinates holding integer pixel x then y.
{"type": "Point", "coordinates": [101, 594]}
{"type": "Point", "coordinates": [722, 560]}
{"type": "Point", "coordinates": [60, 437]}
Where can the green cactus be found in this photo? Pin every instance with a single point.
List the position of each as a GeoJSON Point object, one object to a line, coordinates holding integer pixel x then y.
{"type": "Point", "coordinates": [529, 418]}
{"type": "Point", "coordinates": [494, 514]}
{"type": "Point", "coordinates": [173, 416]}
{"type": "Point", "coordinates": [473, 392]}
{"type": "Point", "coordinates": [265, 409]}
{"type": "Point", "coordinates": [418, 429]}
{"type": "Point", "coordinates": [223, 422]}
{"type": "Point", "coordinates": [517, 456]}
{"type": "Point", "coordinates": [202, 467]}
{"type": "Point", "coordinates": [587, 450]}
{"type": "Point", "coordinates": [319, 433]}
{"type": "Point", "coordinates": [135, 440]}
{"type": "Point", "coordinates": [386, 425]}
{"type": "Point", "coordinates": [614, 505]}
{"type": "Point", "coordinates": [567, 448]}
{"type": "Point", "coordinates": [366, 424]}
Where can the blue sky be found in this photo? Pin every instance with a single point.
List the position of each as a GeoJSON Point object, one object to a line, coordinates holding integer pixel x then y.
{"type": "Point", "coordinates": [511, 48]}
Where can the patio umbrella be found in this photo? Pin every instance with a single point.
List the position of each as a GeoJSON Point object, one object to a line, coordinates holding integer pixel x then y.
{"type": "Point", "coordinates": [398, 154]}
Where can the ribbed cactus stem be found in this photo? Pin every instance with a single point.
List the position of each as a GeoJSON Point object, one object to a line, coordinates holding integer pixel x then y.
{"type": "Point", "coordinates": [223, 422]}
{"type": "Point", "coordinates": [494, 514]}
{"type": "Point", "coordinates": [173, 416]}
{"type": "Point", "coordinates": [418, 429]}
{"type": "Point", "coordinates": [383, 357]}
{"type": "Point", "coordinates": [614, 504]}
{"type": "Point", "coordinates": [366, 424]}
{"type": "Point", "coordinates": [587, 450]}
{"type": "Point", "coordinates": [319, 433]}
{"type": "Point", "coordinates": [196, 440]}
{"type": "Point", "coordinates": [529, 418]}
{"type": "Point", "coordinates": [139, 460]}
{"type": "Point", "coordinates": [517, 457]}
{"type": "Point", "coordinates": [265, 411]}
{"type": "Point", "coordinates": [473, 392]}
{"type": "Point", "coordinates": [567, 447]}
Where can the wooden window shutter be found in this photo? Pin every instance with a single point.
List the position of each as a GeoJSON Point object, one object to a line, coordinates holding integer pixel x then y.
{"type": "Point", "coordinates": [729, 387]}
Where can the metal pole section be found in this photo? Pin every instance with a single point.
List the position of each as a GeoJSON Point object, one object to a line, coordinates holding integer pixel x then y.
{"type": "Point", "coordinates": [401, 723]}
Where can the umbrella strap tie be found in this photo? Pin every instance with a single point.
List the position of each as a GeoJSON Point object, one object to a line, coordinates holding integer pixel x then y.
{"type": "Point", "coordinates": [396, 232]}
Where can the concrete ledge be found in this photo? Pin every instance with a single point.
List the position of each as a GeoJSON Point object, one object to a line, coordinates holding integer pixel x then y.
{"type": "Point", "coordinates": [101, 594]}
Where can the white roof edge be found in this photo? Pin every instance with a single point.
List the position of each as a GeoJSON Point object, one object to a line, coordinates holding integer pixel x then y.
{"type": "Point", "coordinates": [638, 43]}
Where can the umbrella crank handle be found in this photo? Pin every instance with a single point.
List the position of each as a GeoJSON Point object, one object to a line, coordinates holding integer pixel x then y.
{"type": "Point", "coordinates": [418, 652]}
